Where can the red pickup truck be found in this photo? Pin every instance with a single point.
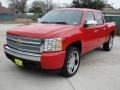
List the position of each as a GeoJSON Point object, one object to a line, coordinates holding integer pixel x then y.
{"type": "Point", "coordinates": [59, 40]}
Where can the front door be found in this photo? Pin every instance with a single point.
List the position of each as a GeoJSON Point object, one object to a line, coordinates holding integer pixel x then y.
{"type": "Point", "coordinates": [90, 34]}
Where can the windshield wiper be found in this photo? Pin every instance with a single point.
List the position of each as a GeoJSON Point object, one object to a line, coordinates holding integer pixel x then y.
{"type": "Point", "coordinates": [54, 22]}
{"type": "Point", "coordinates": [44, 22]}
{"type": "Point", "coordinates": [47, 22]}
{"type": "Point", "coordinates": [61, 23]}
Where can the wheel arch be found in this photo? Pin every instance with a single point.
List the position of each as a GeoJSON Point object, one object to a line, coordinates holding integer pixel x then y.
{"type": "Point", "coordinates": [77, 44]}
{"type": "Point", "coordinates": [112, 33]}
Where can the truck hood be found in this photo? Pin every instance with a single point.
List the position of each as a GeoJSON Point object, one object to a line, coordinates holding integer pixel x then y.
{"type": "Point", "coordinates": [42, 30]}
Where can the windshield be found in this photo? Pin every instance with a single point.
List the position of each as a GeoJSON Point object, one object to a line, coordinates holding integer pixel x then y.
{"type": "Point", "coordinates": [62, 17]}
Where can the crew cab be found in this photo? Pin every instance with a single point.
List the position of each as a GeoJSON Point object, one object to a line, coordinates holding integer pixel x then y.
{"type": "Point", "coordinates": [59, 39]}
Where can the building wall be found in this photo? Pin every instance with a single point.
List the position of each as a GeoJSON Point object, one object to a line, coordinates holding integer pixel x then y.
{"type": "Point", "coordinates": [116, 19]}
{"type": "Point", "coordinates": [7, 16]}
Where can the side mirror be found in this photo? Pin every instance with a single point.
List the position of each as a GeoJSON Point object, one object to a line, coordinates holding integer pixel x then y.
{"type": "Point", "coordinates": [90, 23]}
{"type": "Point", "coordinates": [38, 20]}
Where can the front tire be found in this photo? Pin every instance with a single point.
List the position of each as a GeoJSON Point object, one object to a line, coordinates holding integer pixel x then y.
{"type": "Point", "coordinates": [109, 45]}
{"type": "Point", "coordinates": [72, 62]}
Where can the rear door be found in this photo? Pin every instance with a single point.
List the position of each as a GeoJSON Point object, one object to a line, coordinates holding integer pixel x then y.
{"type": "Point", "coordinates": [101, 26]}
{"type": "Point", "coordinates": [90, 33]}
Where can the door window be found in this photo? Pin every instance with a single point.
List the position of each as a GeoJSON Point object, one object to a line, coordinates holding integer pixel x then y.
{"type": "Point", "coordinates": [89, 16]}
{"type": "Point", "coordinates": [99, 18]}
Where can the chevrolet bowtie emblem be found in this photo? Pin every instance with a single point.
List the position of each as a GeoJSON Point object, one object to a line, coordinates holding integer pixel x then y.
{"type": "Point", "coordinates": [19, 42]}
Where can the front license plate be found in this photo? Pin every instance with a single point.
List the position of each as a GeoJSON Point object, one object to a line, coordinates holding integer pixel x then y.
{"type": "Point", "coordinates": [18, 62]}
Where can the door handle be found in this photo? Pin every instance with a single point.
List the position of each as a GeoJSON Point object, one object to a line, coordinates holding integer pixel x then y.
{"type": "Point", "coordinates": [96, 31]}
{"type": "Point", "coordinates": [104, 28]}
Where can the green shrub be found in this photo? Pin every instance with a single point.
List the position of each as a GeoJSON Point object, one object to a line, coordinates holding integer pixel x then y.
{"type": "Point", "coordinates": [35, 16]}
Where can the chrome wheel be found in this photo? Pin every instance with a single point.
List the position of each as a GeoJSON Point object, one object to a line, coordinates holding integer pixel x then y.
{"type": "Point", "coordinates": [73, 62]}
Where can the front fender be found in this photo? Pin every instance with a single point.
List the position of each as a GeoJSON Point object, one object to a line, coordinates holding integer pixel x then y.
{"type": "Point", "coordinates": [75, 37]}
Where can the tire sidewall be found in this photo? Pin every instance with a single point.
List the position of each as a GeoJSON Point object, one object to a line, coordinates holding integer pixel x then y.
{"type": "Point", "coordinates": [110, 47]}
{"type": "Point", "coordinates": [68, 52]}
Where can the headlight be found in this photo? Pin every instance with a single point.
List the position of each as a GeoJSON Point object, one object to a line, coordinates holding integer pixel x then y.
{"type": "Point", "coordinates": [53, 44]}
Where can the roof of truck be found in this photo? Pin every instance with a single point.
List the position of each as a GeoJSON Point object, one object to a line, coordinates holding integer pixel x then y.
{"type": "Point", "coordinates": [81, 9]}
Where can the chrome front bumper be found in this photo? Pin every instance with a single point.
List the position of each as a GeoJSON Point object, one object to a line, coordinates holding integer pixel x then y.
{"type": "Point", "coordinates": [21, 54]}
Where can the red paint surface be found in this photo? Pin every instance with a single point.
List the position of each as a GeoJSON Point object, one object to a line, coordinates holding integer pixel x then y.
{"type": "Point", "coordinates": [54, 60]}
{"type": "Point", "coordinates": [70, 34]}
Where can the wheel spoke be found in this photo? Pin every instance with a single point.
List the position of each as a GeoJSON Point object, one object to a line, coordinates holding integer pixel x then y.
{"type": "Point", "coordinates": [73, 69]}
{"type": "Point", "coordinates": [73, 62]}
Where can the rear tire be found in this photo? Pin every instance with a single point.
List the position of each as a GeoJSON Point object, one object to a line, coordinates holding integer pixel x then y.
{"type": "Point", "coordinates": [72, 62]}
{"type": "Point", "coordinates": [109, 45]}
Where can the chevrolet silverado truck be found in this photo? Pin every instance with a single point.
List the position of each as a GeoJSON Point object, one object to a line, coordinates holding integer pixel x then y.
{"type": "Point", "coordinates": [59, 39]}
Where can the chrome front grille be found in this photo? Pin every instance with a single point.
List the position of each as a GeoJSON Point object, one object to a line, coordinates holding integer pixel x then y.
{"type": "Point", "coordinates": [25, 44]}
